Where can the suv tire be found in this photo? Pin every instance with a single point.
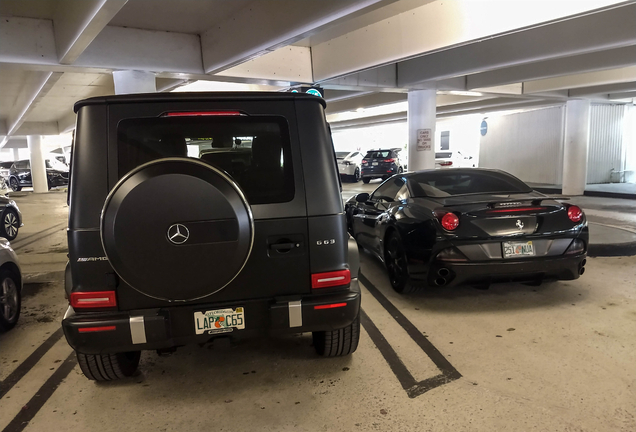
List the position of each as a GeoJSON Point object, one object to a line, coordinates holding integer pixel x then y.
{"type": "Point", "coordinates": [337, 343]}
{"type": "Point", "coordinates": [15, 186]}
{"type": "Point", "coordinates": [108, 367]}
{"type": "Point", "coordinates": [366, 180]}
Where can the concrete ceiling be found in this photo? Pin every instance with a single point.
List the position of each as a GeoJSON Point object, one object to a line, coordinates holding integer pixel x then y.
{"type": "Point", "coordinates": [481, 55]}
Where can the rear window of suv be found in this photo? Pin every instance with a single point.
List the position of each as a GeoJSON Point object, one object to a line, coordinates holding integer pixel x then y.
{"type": "Point", "coordinates": [378, 154]}
{"type": "Point", "coordinates": [254, 151]}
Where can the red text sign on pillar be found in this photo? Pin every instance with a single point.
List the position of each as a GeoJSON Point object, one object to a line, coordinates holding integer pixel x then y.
{"type": "Point", "coordinates": [424, 140]}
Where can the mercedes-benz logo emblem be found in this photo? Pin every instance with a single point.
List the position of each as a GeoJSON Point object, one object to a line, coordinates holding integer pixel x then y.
{"type": "Point", "coordinates": [519, 224]}
{"type": "Point", "coordinates": [178, 234]}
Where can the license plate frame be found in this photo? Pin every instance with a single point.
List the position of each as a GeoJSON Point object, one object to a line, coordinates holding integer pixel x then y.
{"type": "Point", "coordinates": [375, 163]}
{"type": "Point", "coordinates": [216, 321]}
{"type": "Point", "coordinates": [517, 249]}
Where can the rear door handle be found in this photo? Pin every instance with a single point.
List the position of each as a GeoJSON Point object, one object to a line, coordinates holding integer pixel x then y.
{"type": "Point", "coordinates": [283, 246]}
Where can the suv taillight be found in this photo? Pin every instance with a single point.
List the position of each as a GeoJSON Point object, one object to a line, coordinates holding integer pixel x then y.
{"type": "Point", "coordinates": [93, 300]}
{"type": "Point", "coordinates": [448, 163]}
{"type": "Point", "coordinates": [390, 160]}
{"type": "Point", "coordinates": [331, 279]}
{"type": "Point", "coordinates": [364, 162]}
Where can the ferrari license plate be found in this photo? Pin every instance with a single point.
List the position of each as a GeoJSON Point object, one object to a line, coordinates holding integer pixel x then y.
{"type": "Point", "coordinates": [517, 249]}
{"type": "Point", "coordinates": [219, 321]}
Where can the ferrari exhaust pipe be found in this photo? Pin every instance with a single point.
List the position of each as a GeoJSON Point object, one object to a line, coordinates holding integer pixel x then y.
{"type": "Point", "coordinates": [440, 281]}
{"type": "Point", "coordinates": [581, 271]}
{"type": "Point", "coordinates": [443, 272]}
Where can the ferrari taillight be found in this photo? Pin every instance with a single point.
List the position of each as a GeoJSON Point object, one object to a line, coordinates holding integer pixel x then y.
{"type": "Point", "coordinates": [575, 213]}
{"type": "Point", "coordinates": [450, 221]}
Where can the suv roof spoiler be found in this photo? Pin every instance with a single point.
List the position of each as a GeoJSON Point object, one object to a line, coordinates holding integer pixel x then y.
{"type": "Point", "coordinates": [197, 97]}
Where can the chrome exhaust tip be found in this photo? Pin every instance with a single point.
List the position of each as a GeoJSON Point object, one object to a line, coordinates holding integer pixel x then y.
{"type": "Point", "coordinates": [443, 272]}
{"type": "Point", "coordinates": [440, 281]}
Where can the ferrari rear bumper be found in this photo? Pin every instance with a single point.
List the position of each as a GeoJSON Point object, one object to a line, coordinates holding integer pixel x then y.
{"type": "Point", "coordinates": [450, 274]}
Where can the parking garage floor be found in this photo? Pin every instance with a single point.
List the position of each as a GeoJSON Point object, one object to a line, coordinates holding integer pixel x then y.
{"type": "Point", "coordinates": [558, 357]}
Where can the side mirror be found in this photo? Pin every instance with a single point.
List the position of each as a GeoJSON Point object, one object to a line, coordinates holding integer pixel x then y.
{"type": "Point", "coordinates": [362, 197]}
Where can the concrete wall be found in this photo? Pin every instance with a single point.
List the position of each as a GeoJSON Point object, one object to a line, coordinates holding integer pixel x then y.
{"type": "Point", "coordinates": [607, 153]}
{"type": "Point", "coordinates": [528, 145]}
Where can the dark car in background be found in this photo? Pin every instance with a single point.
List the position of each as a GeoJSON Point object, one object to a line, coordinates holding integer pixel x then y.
{"type": "Point", "coordinates": [381, 164]}
{"type": "Point", "coordinates": [221, 217]}
{"type": "Point", "coordinates": [468, 226]}
{"type": "Point", "coordinates": [20, 174]}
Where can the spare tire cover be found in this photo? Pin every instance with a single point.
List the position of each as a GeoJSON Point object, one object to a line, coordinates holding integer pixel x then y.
{"type": "Point", "coordinates": [177, 229]}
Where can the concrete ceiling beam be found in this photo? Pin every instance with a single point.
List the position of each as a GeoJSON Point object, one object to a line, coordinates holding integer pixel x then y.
{"type": "Point", "coordinates": [441, 26]}
{"type": "Point", "coordinates": [366, 101]}
{"type": "Point", "coordinates": [77, 23]}
{"type": "Point", "coordinates": [608, 29]}
{"type": "Point", "coordinates": [67, 123]}
{"type": "Point", "coordinates": [36, 86]}
{"type": "Point", "coordinates": [26, 40]}
{"type": "Point", "coordinates": [588, 79]}
{"type": "Point", "coordinates": [145, 50]}
{"type": "Point", "coordinates": [596, 61]}
{"type": "Point", "coordinates": [37, 128]}
{"type": "Point", "coordinates": [603, 89]}
{"type": "Point", "coordinates": [261, 28]}
{"type": "Point", "coordinates": [290, 63]}
{"type": "Point", "coordinates": [623, 95]}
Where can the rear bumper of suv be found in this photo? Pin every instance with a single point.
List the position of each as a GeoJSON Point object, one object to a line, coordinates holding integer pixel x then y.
{"type": "Point", "coordinates": [113, 332]}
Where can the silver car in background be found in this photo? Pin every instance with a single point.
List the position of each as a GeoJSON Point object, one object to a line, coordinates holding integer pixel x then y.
{"type": "Point", "coordinates": [349, 165]}
{"type": "Point", "coordinates": [10, 286]}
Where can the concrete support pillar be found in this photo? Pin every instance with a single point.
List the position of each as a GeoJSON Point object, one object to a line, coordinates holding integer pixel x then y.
{"type": "Point", "coordinates": [16, 154]}
{"type": "Point", "coordinates": [38, 168]}
{"type": "Point", "coordinates": [127, 82]}
{"type": "Point", "coordinates": [421, 120]}
{"type": "Point", "coordinates": [575, 147]}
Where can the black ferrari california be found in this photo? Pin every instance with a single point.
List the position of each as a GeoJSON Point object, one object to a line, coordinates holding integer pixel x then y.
{"type": "Point", "coordinates": [468, 226]}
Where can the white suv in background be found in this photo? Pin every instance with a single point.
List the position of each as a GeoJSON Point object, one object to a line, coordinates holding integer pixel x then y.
{"type": "Point", "coordinates": [349, 165]}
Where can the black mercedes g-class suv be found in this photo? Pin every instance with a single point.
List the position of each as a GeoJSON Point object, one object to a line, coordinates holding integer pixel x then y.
{"type": "Point", "coordinates": [199, 215]}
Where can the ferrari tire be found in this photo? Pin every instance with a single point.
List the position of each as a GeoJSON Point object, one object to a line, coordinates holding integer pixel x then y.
{"type": "Point", "coordinates": [396, 264]}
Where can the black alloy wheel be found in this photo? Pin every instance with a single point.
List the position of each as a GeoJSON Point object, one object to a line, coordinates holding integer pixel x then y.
{"type": "Point", "coordinates": [10, 224]}
{"type": "Point", "coordinates": [356, 175]}
{"type": "Point", "coordinates": [396, 264]}
{"type": "Point", "coordinates": [366, 180]}
{"type": "Point", "coordinates": [10, 300]}
{"type": "Point", "coordinates": [15, 186]}
{"type": "Point", "coordinates": [400, 170]}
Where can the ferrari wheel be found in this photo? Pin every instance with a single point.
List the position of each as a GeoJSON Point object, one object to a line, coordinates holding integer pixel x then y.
{"type": "Point", "coordinates": [396, 264]}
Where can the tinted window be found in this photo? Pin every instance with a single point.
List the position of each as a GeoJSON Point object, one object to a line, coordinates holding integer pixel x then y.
{"type": "Point", "coordinates": [6, 164]}
{"type": "Point", "coordinates": [443, 155]}
{"type": "Point", "coordinates": [378, 154]}
{"type": "Point", "coordinates": [341, 155]}
{"type": "Point", "coordinates": [255, 151]}
{"type": "Point", "coordinates": [388, 190]}
{"type": "Point", "coordinates": [22, 164]}
{"type": "Point", "coordinates": [355, 154]}
{"type": "Point", "coordinates": [442, 183]}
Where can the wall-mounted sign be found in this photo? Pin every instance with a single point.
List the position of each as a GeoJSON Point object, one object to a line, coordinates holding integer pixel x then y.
{"type": "Point", "coordinates": [484, 128]}
{"type": "Point", "coordinates": [424, 140]}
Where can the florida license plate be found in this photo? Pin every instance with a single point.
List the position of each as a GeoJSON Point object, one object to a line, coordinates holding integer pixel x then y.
{"type": "Point", "coordinates": [517, 249]}
{"type": "Point", "coordinates": [219, 321]}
